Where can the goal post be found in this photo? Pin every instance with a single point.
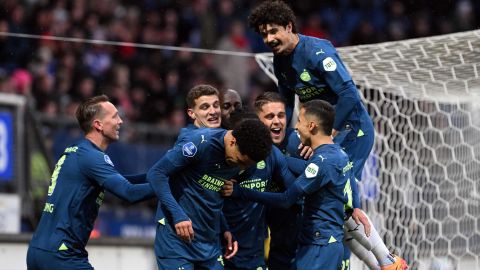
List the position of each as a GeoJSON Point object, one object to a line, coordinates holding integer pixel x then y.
{"type": "Point", "coordinates": [421, 184]}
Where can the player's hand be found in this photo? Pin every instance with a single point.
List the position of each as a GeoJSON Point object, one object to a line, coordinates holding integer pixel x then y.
{"type": "Point", "coordinates": [305, 151]}
{"type": "Point", "coordinates": [227, 188]}
{"type": "Point", "coordinates": [360, 218]}
{"type": "Point", "coordinates": [334, 133]}
{"type": "Point", "coordinates": [184, 230]}
{"type": "Point", "coordinates": [232, 245]}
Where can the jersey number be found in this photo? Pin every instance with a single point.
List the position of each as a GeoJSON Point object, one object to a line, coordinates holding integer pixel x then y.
{"type": "Point", "coordinates": [347, 191]}
{"type": "Point", "coordinates": [55, 173]}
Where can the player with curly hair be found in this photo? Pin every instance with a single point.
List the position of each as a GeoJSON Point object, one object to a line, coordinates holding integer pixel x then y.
{"type": "Point", "coordinates": [312, 69]}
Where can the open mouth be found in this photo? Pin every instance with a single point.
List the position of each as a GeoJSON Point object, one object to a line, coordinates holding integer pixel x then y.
{"type": "Point", "coordinates": [274, 45]}
{"type": "Point", "coordinates": [276, 131]}
{"type": "Point", "coordinates": [213, 119]}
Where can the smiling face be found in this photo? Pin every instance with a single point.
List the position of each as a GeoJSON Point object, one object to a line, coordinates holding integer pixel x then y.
{"type": "Point", "coordinates": [279, 38]}
{"type": "Point", "coordinates": [206, 112]}
{"type": "Point", "coordinates": [109, 121]}
{"type": "Point", "coordinates": [303, 127]}
{"type": "Point", "coordinates": [274, 117]}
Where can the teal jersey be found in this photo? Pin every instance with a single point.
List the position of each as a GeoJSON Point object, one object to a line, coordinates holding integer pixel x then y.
{"type": "Point", "coordinates": [326, 186]}
{"type": "Point", "coordinates": [247, 218]}
{"type": "Point", "coordinates": [314, 70]}
{"type": "Point", "coordinates": [187, 181]}
{"type": "Point", "coordinates": [77, 189]}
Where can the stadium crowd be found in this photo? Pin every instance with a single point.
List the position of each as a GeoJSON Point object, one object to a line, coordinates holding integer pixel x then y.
{"type": "Point", "coordinates": [149, 85]}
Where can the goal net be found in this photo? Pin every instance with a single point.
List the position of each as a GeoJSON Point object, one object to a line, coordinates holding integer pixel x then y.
{"type": "Point", "coordinates": [421, 184]}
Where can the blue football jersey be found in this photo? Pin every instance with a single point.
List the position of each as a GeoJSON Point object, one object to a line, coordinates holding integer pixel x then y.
{"type": "Point", "coordinates": [326, 184]}
{"type": "Point", "coordinates": [75, 195]}
{"type": "Point", "coordinates": [246, 219]}
{"type": "Point", "coordinates": [314, 70]}
{"type": "Point", "coordinates": [284, 223]}
{"type": "Point", "coordinates": [187, 181]}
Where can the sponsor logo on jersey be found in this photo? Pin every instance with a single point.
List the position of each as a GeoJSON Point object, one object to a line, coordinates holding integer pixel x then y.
{"type": "Point", "coordinates": [308, 93]}
{"type": "Point", "coordinates": [305, 76]}
{"type": "Point", "coordinates": [211, 182]}
{"type": "Point", "coordinates": [329, 64]}
{"type": "Point", "coordinates": [257, 184]}
{"type": "Point", "coordinates": [189, 149]}
{"type": "Point", "coordinates": [261, 165]}
{"type": "Point", "coordinates": [311, 170]}
{"type": "Point", "coordinates": [108, 160]}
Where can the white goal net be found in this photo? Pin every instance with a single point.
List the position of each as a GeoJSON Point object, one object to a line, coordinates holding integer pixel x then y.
{"type": "Point", "coordinates": [421, 185]}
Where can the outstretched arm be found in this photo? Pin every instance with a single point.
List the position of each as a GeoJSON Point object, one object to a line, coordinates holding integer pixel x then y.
{"type": "Point", "coordinates": [136, 178]}
{"type": "Point", "coordinates": [125, 190]}
{"type": "Point", "coordinates": [97, 168]}
{"type": "Point", "coordinates": [284, 200]}
{"type": "Point", "coordinates": [296, 165]}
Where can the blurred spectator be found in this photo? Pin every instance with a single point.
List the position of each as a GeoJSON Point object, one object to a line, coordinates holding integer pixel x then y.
{"type": "Point", "coordinates": [149, 85]}
{"type": "Point", "coordinates": [22, 82]}
{"type": "Point", "coordinates": [399, 23]}
{"type": "Point", "coordinates": [313, 27]}
{"type": "Point", "coordinates": [465, 15]}
{"type": "Point", "coordinates": [234, 70]}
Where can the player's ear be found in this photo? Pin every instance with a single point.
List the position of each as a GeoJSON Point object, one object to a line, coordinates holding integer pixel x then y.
{"type": "Point", "coordinates": [311, 125]}
{"type": "Point", "coordinates": [97, 124]}
{"type": "Point", "coordinates": [191, 114]}
{"type": "Point", "coordinates": [289, 27]}
{"type": "Point", "coordinates": [233, 141]}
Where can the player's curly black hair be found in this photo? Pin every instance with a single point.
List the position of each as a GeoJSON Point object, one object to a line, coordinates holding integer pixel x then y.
{"type": "Point", "coordinates": [253, 139]}
{"type": "Point", "coordinates": [268, 12]}
{"type": "Point", "coordinates": [240, 114]}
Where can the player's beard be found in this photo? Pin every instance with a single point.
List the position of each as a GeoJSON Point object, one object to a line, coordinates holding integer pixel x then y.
{"type": "Point", "coordinates": [306, 141]}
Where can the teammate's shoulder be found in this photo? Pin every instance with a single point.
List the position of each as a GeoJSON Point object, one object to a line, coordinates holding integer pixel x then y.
{"type": "Point", "coordinates": [186, 130]}
{"type": "Point", "coordinates": [200, 140]}
{"type": "Point", "coordinates": [317, 44]}
{"type": "Point", "coordinates": [275, 152]}
{"type": "Point", "coordinates": [330, 153]}
{"type": "Point", "coordinates": [202, 136]}
{"type": "Point", "coordinates": [203, 133]}
{"type": "Point", "coordinates": [83, 147]}
{"type": "Point", "coordinates": [89, 154]}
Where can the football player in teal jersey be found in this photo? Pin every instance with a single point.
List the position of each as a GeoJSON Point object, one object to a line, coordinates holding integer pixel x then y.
{"type": "Point", "coordinates": [325, 185]}
{"type": "Point", "coordinates": [311, 69]}
{"type": "Point", "coordinates": [187, 181]}
{"type": "Point", "coordinates": [77, 189]}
